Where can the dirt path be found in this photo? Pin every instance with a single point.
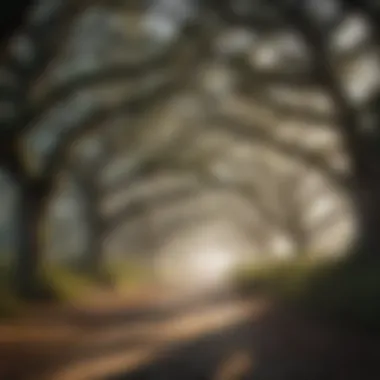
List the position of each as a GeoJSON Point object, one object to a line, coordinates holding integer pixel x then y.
{"type": "Point", "coordinates": [110, 336]}
{"type": "Point", "coordinates": [214, 337]}
{"type": "Point", "coordinates": [277, 345]}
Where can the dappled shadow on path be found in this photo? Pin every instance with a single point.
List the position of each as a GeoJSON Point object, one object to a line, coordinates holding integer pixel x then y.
{"type": "Point", "coordinates": [215, 337]}
{"type": "Point", "coordinates": [122, 336]}
{"type": "Point", "coordinates": [146, 313]}
{"type": "Point", "coordinates": [280, 345]}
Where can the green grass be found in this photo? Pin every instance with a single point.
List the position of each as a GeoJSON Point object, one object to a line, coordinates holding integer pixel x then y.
{"type": "Point", "coordinates": [350, 293]}
{"type": "Point", "coordinates": [288, 279]}
{"type": "Point", "coordinates": [63, 283]}
{"type": "Point", "coordinates": [344, 291]}
{"type": "Point", "coordinates": [126, 275]}
{"type": "Point", "coordinates": [10, 305]}
{"type": "Point", "coordinates": [66, 283]}
{"type": "Point", "coordinates": [70, 284]}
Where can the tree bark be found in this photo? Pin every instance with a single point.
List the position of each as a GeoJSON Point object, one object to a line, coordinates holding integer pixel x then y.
{"type": "Point", "coordinates": [27, 268]}
{"type": "Point", "coordinates": [301, 244]}
{"type": "Point", "coordinates": [367, 204]}
{"type": "Point", "coordinates": [93, 261]}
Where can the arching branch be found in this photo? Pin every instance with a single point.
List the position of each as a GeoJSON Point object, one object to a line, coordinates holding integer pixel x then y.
{"type": "Point", "coordinates": [247, 131]}
{"type": "Point", "coordinates": [97, 120]}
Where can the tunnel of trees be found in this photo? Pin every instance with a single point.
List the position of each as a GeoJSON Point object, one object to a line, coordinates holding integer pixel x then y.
{"type": "Point", "coordinates": [263, 101]}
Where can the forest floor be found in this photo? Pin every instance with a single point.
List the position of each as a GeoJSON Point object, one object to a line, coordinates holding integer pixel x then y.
{"type": "Point", "coordinates": [157, 336]}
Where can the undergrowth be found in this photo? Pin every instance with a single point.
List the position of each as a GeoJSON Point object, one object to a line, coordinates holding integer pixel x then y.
{"type": "Point", "coordinates": [347, 291]}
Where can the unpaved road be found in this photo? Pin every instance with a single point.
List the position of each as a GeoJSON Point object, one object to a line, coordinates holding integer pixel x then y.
{"type": "Point", "coordinates": [274, 346]}
{"type": "Point", "coordinates": [101, 339]}
{"type": "Point", "coordinates": [213, 337]}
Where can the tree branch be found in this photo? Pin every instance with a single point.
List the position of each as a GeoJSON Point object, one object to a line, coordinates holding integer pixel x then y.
{"type": "Point", "coordinates": [97, 120]}
{"type": "Point", "coordinates": [348, 118]}
{"type": "Point", "coordinates": [247, 131]}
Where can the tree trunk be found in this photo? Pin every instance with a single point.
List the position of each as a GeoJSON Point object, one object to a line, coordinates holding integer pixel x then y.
{"type": "Point", "coordinates": [27, 271]}
{"type": "Point", "coordinates": [296, 229]}
{"type": "Point", "coordinates": [301, 245]}
{"type": "Point", "coordinates": [94, 256]}
{"type": "Point", "coordinates": [93, 260]}
{"type": "Point", "coordinates": [367, 204]}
